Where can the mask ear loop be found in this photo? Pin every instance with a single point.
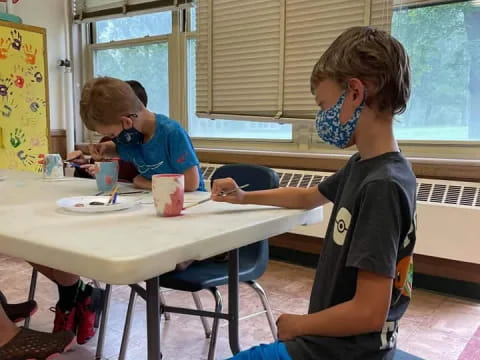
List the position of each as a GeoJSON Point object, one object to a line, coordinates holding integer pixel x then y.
{"type": "Point", "coordinates": [130, 116]}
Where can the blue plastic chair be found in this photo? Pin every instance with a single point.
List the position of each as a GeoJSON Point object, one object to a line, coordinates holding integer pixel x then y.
{"type": "Point", "coordinates": [209, 274]}
{"type": "Point", "coordinates": [402, 355]}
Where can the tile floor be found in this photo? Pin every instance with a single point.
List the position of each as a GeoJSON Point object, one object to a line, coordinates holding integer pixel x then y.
{"type": "Point", "coordinates": [436, 326]}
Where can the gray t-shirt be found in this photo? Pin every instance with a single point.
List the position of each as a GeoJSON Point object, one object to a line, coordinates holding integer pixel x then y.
{"type": "Point", "coordinates": [372, 228]}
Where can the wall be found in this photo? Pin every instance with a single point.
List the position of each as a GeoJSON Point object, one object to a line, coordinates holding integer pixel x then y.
{"type": "Point", "coordinates": [50, 14]}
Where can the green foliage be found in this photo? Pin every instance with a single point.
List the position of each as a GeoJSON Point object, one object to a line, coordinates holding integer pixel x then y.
{"type": "Point", "coordinates": [436, 40]}
{"type": "Point", "coordinates": [145, 63]}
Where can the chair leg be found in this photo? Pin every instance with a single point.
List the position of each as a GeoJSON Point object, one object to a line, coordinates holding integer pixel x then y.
{"type": "Point", "coordinates": [103, 322]}
{"type": "Point", "coordinates": [128, 323]}
{"type": "Point", "coordinates": [163, 302]}
{"type": "Point", "coordinates": [198, 304]}
{"type": "Point", "coordinates": [266, 305]}
{"type": "Point", "coordinates": [216, 321]}
{"type": "Point", "coordinates": [31, 294]}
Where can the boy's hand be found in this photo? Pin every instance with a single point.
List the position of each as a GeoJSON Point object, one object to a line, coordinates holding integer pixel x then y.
{"type": "Point", "coordinates": [77, 157]}
{"type": "Point", "coordinates": [142, 183]}
{"type": "Point", "coordinates": [287, 325]}
{"type": "Point", "coordinates": [92, 169]}
{"type": "Point", "coordinates": [227, 190]}
{"type": "Point", "coordinates": [97, 151]}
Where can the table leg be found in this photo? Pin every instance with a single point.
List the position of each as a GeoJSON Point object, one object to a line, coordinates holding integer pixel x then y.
{"type": "Point", "coordinates": [103, 322]}
{"type": "Point", "coordinates": [153, 319]}
{"type": "Point", "coordinates": [233, 259]}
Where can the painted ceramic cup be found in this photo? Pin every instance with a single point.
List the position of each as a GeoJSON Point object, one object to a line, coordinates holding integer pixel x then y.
{"type": "Point", "coordinates": [52, 166]}
{"type": "Point", "coordinates": [107, 176]}
{"type": "Point", "coordinates": [168, 192]}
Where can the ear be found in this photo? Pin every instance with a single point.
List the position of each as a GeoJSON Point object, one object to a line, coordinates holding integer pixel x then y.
{"type": "Point", "coordinates": [126, 122]}
{"type": "Point", "coordinates": [356, 91]}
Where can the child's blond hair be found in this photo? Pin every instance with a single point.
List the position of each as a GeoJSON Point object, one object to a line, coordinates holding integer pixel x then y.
{"type": "Point", "coordinates": [104, 100]}
{"type": "Point", "coordinates": [371, 55]}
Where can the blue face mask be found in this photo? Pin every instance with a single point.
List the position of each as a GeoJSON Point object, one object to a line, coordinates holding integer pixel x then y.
{"type": "Point", "coordinates": [330, 129]}
{"type": "Point", "coordinates": [130, 136]}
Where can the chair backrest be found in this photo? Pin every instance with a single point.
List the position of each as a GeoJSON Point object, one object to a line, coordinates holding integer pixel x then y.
{"type": "Point", "coordinates": [259, 178]}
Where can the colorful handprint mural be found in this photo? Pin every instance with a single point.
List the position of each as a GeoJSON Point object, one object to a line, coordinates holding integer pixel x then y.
{"type": "Point", "coordinates": [24, 112]}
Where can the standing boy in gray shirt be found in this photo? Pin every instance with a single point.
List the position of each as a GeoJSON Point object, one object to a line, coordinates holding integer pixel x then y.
{"type": "Point", "coordinates": [364, 276]}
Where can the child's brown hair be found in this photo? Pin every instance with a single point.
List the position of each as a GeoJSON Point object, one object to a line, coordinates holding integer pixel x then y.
{"type": "Point", "coordinates": [371, 55]}
{"type": "Point", "coordinates": [104, 100]}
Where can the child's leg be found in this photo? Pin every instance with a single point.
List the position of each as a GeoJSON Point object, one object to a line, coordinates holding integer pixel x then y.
{"type": "Point", "coordinates": [275, 351]}
{"type": "Point", "coordinates": [7, 328]}
{"type": "Point", "coordinates": [68, 285]}
{"type": "Point", "coordinates": [78, 304]}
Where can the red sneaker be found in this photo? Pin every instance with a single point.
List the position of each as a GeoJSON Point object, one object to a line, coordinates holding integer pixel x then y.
{"type": "Point", "coordinates": [88, 310]}
{"type": "Point", "coordinates": [64, 320]}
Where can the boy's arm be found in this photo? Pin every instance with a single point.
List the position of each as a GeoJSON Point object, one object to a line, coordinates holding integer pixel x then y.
{"type": "Point", "coordinates": [183, 157]}
{"type": "Point", "coordinates": [192, 180]}
{"type": "Point", "coordinates": [106, 149]}
{"type": "Point", "coordinates": [288, 197]}
{"type": "Point", "coordinates": [142, 183]}
{"type": "Point", "coordinates": [365, 313]}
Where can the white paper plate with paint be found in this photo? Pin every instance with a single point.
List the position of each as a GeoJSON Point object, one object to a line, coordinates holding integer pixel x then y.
{"type": "Point", "coordinates": [96, 204]}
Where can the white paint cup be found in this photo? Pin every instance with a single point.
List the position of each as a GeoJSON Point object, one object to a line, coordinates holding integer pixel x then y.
{"type": "Point", "coordinates": [52, 166]}
{"type": "Point", "coordinates": [168, 194]}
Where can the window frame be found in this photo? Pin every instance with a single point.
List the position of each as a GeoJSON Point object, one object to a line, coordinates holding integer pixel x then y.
{"type": "Point", "coordinates": [304, 137]}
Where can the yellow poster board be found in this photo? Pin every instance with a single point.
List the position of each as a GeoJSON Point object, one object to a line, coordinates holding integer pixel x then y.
{"type": "Point", "coordinates": [24, 112]}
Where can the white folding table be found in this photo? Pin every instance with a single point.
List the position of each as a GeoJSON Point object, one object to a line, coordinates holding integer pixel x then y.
{"type": "Point", "coordinates": [134, 245]}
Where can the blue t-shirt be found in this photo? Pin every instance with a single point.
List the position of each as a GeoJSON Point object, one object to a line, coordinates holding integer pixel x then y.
{"type": "Point", "coordinates": [169, 151]}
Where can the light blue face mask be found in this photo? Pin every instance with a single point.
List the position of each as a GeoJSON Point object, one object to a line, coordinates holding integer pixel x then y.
{"type": "Point", "coordinates": [330, 129]}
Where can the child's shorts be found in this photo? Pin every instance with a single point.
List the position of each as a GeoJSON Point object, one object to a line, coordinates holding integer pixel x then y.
{"type": "Point", "coordinates": [275, 351]}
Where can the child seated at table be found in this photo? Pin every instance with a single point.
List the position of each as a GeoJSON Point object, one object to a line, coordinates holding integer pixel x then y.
{"type": "Point", "coordinates": [127, 171]}
{"type": "Point", "coordinates": [364, 275]}
{"type": "Point", "coordinates": [152, 142]}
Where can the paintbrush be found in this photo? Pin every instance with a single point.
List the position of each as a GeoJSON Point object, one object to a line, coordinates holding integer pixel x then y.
{"type": "Point", "coordinates": [223, 193]}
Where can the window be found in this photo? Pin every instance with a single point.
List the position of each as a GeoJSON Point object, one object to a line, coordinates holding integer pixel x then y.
{"type": "Point", "coordinates": [443, 42]}
{"type": "Point", "coordinates": [145, 63]}
{"type": "Point", "coordinates": [227, 129]}
{"type": "Point", "coordinates": [218, 128]}
{"type": "Point", "coordinates": [134, 27]}
{"type": "Point", "coordinates": [442, 39]}
{"type": "Point", "coordinates": [143, 60]}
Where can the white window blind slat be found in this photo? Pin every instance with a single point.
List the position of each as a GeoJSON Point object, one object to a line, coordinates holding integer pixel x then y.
{"type": "Point", "coordinates": [261, 54]}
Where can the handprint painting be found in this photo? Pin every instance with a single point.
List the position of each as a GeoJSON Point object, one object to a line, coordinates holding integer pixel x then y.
{"type": "Point", "coordinates": [168, 193]}
{"type": "Point", "coordinates": [24, 112]}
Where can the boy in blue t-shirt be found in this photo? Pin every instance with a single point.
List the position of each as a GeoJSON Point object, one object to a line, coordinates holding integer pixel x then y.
{"type": "Point", "coordinates": [154, 143]}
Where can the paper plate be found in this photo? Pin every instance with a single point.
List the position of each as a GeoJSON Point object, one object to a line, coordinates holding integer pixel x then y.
{"type": "Point", "coordinates": [83, 204]}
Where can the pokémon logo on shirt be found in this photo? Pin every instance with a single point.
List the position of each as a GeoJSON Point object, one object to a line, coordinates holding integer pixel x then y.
{"type": "Point", "coordinates": [342, 223]}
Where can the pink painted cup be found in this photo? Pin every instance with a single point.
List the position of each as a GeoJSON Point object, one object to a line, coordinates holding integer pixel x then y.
{"type": "Point", "coordinates": [168, 192]}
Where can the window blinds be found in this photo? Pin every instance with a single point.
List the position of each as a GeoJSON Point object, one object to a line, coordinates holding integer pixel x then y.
{"type": "Point", "coordinates": [91, 10]}
{"type": "Point", "coordinates": [255, 57]}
